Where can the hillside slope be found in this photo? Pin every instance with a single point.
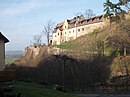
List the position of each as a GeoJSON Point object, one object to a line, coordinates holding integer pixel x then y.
{"type": "Point", "coordinates": [108, 39]}
{"type": "Point", "coordinates": [104, 60]}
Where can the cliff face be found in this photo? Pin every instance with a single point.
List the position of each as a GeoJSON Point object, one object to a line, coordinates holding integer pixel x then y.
{"type": "Point", "coordinates": [33, 55]}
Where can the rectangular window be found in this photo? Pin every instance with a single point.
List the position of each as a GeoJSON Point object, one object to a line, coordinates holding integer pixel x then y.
{"type": "Point", "coordinates": [79, 30]}
{"type": "Point", "coordinates": [69, 31]}
{"type": "Point", "coordinates": [82, 29]}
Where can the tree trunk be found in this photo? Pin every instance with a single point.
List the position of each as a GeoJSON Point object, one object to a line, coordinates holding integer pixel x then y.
{"type": "Point", "coordinates": [48, 39]}
{"type": "Point", "coordinates": [125, 51]}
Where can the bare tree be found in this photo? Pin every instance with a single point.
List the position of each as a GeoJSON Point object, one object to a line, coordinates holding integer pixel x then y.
{"type": "Point", "coordinates": [89, 13]}
{"type": "Point", "coordinates": [78, 14]}
{"type": "Point", "coordinates": [37, 39]}
{"type": "Point", "coordinates": [47, 30]}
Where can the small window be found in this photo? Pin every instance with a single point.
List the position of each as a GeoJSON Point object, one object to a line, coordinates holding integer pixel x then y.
{"type": "Point", "coordinates": [82, 29]}
{"type": "Point", "coordinates": [90, 20]}
{"type": "Point", "coordinates": [69, 31]}
{"type": "Point", "coordinates": [58, 34]}
{"type": "Point", "coordinates": [79, 30]}
{"type": "Point", "coordinates": [65, 26]}
{"type": "Point", "coordinates": [97, 19]}
{"type": "Point", "coordinates": [73, 30]}
{"type": "Point", "coordinates": [55, 35]}
{"type": "Point", "coordinates": [65, 32]}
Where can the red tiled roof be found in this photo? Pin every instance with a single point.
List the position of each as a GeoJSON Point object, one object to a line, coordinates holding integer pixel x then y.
{"type": "Point", "coordinates": [81, 21]}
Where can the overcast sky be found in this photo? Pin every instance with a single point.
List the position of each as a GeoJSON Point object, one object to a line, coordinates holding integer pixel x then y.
{"type": "Point", "coordinates": [20, 20]}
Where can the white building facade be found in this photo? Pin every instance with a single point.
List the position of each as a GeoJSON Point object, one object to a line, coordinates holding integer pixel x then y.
{"type": "Point", "coordinates": [73, 28]}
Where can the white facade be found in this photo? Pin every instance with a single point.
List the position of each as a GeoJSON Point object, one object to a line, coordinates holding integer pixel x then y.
{"type": "Point", "coordinates": [71, 29]}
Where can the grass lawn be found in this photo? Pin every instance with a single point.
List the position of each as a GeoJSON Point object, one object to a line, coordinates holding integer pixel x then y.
{"type": "Point", "coordinates": [36, 90]}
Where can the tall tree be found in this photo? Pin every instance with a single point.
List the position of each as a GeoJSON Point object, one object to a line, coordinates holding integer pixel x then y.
{"type": "Point", "coordinates": [114, 11]}
{"type": "Point", "coordinates": [125, 3]}
{"type": "Point", "coordinates": [47, 30]}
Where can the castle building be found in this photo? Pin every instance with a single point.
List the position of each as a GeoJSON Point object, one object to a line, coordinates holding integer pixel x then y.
{"type": "Point", "coordinates": [73, 28]}
{"type": "Point", "coordinates": [3, 40]}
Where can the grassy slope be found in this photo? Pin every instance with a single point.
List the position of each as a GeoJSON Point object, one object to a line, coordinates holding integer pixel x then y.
{"type": "Point", "coordinates": [35, 90]}
{"type": "Point", "coordinates": [88, 42]}
{"type": "Point", "coordinates": [84, 43]}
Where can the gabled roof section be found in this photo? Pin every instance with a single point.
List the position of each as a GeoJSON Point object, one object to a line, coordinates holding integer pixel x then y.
{"type": "Point", "coordinates": [2, 37]}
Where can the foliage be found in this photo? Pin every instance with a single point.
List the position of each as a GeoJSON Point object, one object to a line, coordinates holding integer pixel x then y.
{"type": "Point", "coordinates": [114, 10]}
{"type": "Point", "coordinates": [121, 66]}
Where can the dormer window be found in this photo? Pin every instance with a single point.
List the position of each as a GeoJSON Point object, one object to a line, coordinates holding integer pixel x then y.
{"type": "Point", "coordinates": [100, 17]}
{"type": "Point", "coordinates": [93, 19]}
{"type": "Point", "coordinates": [90, 20]}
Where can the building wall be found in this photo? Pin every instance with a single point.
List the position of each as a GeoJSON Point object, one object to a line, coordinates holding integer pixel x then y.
{"type": "Point", "coordinates": [2, 55]}
{"type": "Point", "coordinates": [57, 37]}
{"type": "Point", "coordinates": [73, 33]}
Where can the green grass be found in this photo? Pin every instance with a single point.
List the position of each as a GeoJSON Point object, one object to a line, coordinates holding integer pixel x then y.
{"type": "Point", "coordinates": [36, 90]}
{"type": "Point", "coordinates": [9, 60]}
{"type": "Point", "coordinates": [66, 45]}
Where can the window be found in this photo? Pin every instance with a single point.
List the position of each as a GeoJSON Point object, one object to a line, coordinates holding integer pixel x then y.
{"type": "Point", "coordinates": [97, 19]}
{"type": "Point", "coordinates": [58, 34]}
{"type": "Point", "coordinates": [90, 20]}
{"type": "Point", "coordinates": [73, 31]}
{"type": "Point", "coordinates": [65, 26]}
{"type": "Point", "coordinates": [79, 30]}
{"type": "Point", "coordinates": [65, 32]}
{"type": "Point", "coordinates": [55, 35]}
{"type": "Point", "coordinates": [82, 29]}
{"type": "Point", "coordinates": [69, 31]}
